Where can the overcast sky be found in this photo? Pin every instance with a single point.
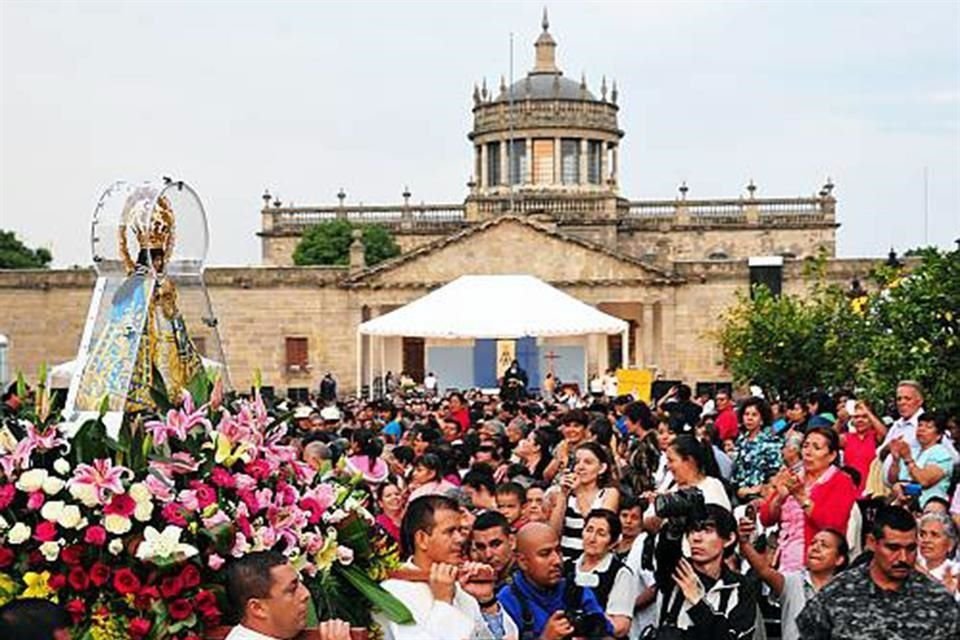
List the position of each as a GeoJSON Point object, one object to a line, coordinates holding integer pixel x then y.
{"type": "Point", "coordinates": [303, 98]}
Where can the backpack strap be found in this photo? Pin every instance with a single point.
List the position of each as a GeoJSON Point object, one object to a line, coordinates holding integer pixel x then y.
{"type": "Point", "coordinates": [527, 631]}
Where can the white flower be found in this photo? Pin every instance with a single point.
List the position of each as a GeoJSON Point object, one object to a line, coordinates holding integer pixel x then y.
{"type": "Point", "coordinates": [70, 517]}
{"type": "Point", "coordinates": [51, 510]}
{"type": "Point", "coordinates": [86, 494]}
{"type": "Point", "coordinates": [157, 545]}
{"type": "Point", "coordinates": [19, 533]}
{"type": "Point", "coordinates": [61, 466]}
{"type": "Point", "coordinates": [139, 492]}
{"type": "Point", "coordinates": [117, 524]}
{"type": "Point", "coordinates": [143, 512]}
{"type": "Point", "coordinates": [32, 480]}
{"type": "Point", "coordinates": [52, 485]}
{"type": "Point", "coordinates": [50, 550]}
{"type": "Point", "coordinates": [115, 546]}
{"type": "Point", "coordinates": [344, 555]}
{"type": "Point", "coordinates": [7, 442]}
{"type": "Point", "coordinates": [4, 525]}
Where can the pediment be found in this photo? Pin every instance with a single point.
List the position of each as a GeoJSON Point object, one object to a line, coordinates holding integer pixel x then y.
{"type": "Point", "coordinates": [510, 245]}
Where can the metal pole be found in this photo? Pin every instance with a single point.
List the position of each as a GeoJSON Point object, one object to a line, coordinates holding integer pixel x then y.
{"type": "Point", "coordinates": [359, 376]}
{"type": "Point", "coordinates": [625, 360]}
{"type": "Point", "coordinates": [510, 122]}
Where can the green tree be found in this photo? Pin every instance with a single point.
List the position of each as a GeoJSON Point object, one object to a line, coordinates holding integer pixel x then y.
{"type": "Point", "coordinates": [16, 255]}
{"type": "Point", "coordinates": [905, 329]}
{"type": "Point", "coordinates": [328, 243]}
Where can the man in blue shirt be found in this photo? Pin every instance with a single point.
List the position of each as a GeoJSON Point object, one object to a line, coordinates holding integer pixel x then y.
{"type": "Point", "coordinates": [539, 598]}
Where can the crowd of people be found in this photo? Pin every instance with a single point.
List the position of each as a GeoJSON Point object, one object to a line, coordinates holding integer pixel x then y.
{"type": "Point", "coordinates": [719, 517]}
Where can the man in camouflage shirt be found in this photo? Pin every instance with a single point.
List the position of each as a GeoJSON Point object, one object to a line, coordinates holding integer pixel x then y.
{"type": "Point", "coordinates": [886, 597]}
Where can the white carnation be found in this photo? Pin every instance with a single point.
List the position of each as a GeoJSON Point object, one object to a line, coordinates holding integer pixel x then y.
{"type": "Point", "coordinates": [115, 546]}
{"type": "Point", "coordinates": [50, 550]}
{"type": "Point", "coordinates": [32, 480]}
{"type": "Point", "coordinates": [70, 517]}
{"type": "Point", "coordinates": [117, 524]}
{"type": "Point", "coordinates": [61, 466]}
{"type": "Point", "coordinates": [52, 485]}
{"type": "Point", "coordinates": [139, 492]}
{"type": "Point", "coordinates": [4, 525]}
{"type": "Point", "coordinates": [19, 533]}
{"type": "Point", "coordinates": [143, 512]}
{"type": "Point", "coordinates": [85, 494]}
{"type": "Point", "coordinates": [51, 510]}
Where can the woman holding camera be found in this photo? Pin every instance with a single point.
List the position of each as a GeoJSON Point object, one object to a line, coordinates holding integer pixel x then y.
{"type": "Point", "coordinates": [820, 497]}
{"type": "Point", "coordinates": [589, 486]}
{"type": "Point", "coordinates": [612, 582]}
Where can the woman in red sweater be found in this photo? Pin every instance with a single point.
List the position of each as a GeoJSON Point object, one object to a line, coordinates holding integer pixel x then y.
{"type": "Point", "coordinates": [821, 497]}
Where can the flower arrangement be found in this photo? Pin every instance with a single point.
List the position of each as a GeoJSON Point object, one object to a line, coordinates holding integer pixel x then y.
{"type": "Point", "coordinates": [130, 535]}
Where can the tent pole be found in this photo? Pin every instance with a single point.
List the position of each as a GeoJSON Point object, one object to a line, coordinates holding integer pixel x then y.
{"type": "Point", "coordinates": [359, 375]}
{"type": "Point", "coordinates": [626, 348]}
{"type": "Point", "coordinates": [383, 367]}
{"type": "Point", "coordinates": [370, 343]}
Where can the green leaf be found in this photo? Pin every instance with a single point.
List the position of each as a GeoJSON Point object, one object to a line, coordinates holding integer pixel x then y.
{"type": "Point", "coordinates": [312, 618]}
{"type": "Point", "coordinates": [377, 595]}
{"type": "Point", "coordinates": [199, 388]}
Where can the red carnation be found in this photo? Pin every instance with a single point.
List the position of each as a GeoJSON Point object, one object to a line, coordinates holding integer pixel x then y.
{"type": "Point", "coordinates": [99, 574]}
{"type": "Point", "coordinates": [71, 555]}
{"type": "Point", "coordinates": [77, 610]}
{"type": "Point", "coordinates": [174, 514]}
{"type": "Point", "coordinates": [122, 505]}
{"type": "Point", "coordinates": [7, 494]}
{"type": "Point", "coordinates": [171, 586]}
{"type": "Point", "coordinates": [206, 495]}
{"type": "Point", "coordinates": [57, 581]}
{"type": "Point", "coordinates": [95, 535]}
{"type": "Point", "coordinates": [6, 557]}
{"type": "Point", "coordinates": [190, 576]}
{"type": "Point", "coordinates": [222, 478]}
{"type": "Point", "coordinates": [78, 579]}
{"type": "Point", "coordinates": [180, 609]}
{"type": "Point", "coordinates": [126, 582]}
{"type": "Point", "coordinates": [45, 531]}
{"type": "Point", "coordinates": [258, 469]}
{"type": "Point", "coordinates": [139, 627]}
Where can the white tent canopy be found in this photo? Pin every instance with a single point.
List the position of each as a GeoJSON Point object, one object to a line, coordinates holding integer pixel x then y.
{"type": "Point", "coordinates": [492, 306]}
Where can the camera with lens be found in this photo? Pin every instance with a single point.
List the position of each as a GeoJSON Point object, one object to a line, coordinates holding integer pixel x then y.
{"type": "Point", "coordinates": [586, 625]}
{"type": "Point", "coordinates": [678, 508]}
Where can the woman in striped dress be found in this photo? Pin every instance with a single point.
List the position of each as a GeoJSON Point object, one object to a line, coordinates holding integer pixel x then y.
{"type": "Point", "coordinates": [589, 486]}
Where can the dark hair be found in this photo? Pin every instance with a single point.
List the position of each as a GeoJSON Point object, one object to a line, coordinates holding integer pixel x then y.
{"type": "Point", "coordinates": [603, 455]}
{"type": "Point", "coordinates": [766, 416]}
{"type": "Point", "coordinates": [429, 434]}
{"type": "Point", "coordinates": [403, 454]}
{"type": "Point", "coordinates": [390, 481]}
{"type": "Point", "coordinates": [684, 392]}
{"type": "Point", "coordinates": [613, 522]}
{"type": "Point", "coordinates": [602, 431]}
{"type": "Point", "coordinates": [512, 488]}
{"type": "Point", "coordinates": [722, 520]}
{"type": "Point", "coordinates": [689, 448]}
{"type": "Point", "coordinates": [938, 418]}
{"type": "Point", "coordinates": [491, 519]}
{"type": "Point", "coordinates": [492, 450]}
{"type": "Point", "coordinates": [370, 445]}
{"type": "Point", "coordinates": [477, 479]}
{"type": "Point", "coordinates": [249, 577]}
{"type": "Point", "coordinates": [823, 401]}
{"type": "Point", "coordinates": [432, 462]}
{"type": "Point", "coordinates": [575, 416]}
{"type": "Point", "coordinates": [896, 518]}
{"type": "Point", "coordinates": [628, 501]}
{"type": "Point", "coordinates": [639, 412]}
{"type": "Point", "coordinates": [833, 439]}
{"type": "Point", "coordinates": [842, 547]}
{"type": "Point", "coordinates": [421, 516]}
{"type": "Point", "coordinates": [32, 619]}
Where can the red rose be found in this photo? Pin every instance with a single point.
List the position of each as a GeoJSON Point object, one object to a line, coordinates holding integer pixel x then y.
{"type": "Point", "coordinates": [180, 609]}
{"type": "Point", "coordinates": [71, 555]}
{"type": "Point", "coordinates": [126, 582]}
{"type": "Point", "coordinates": [99, 574]}
{"type": "Point", "coordinates": [205, 599]}
{"type": "Point", "coordinates": [211, 616]}
{"type": "Point", "coordinates": [139, 627]}
{"type": "Point", "coordinates": [7, 494]}
{"type": "Point", "coordinates": [45, 531]}
{"type": "Point", "coordinates": [78, 579]}
{"type": "Point", "coordinates": [95, 535]}
{"type": "Point", "coordinates": [145, 598]}
{"type": "Point", "coordinates": [77, 610]}
{"type": "Point", "coordinates": [6, 557]}
{"type": "Point", "coordinates": [57, 581]}
{"type": "Point", "coordinates": [190, 576]}
{"type": "Point", "coordinates": [121, 504]}
{"type": "Point", "coordinates": [171, 586]}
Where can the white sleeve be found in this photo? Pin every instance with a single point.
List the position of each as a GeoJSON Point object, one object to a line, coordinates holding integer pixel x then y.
{"type": "Point", "coordinates": [623, 595]}
{"type": "Point", "coordinates": [443, 622]}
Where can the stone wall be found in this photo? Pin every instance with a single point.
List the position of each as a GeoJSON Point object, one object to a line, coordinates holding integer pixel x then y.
{"type": "Point", "coordinates": [700, 242]}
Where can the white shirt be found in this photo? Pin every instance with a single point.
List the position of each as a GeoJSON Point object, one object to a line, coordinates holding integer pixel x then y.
{"type": "Point", "coordinates": [623, 594]}
{"type": "Point", "coordinates": [241, 632]}
{"type": "Point", "coordinates": [437, 620]}
{"type": "Point", "coordinates": [797, 589]}
{"type": "Point", "coordinates": [642, 618]}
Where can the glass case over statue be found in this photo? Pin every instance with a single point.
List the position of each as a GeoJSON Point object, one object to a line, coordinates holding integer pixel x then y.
{"type": "Point", "coordinates": [150, 314]}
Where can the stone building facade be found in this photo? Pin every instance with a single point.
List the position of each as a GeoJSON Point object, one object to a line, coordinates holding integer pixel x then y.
{"type": "Point", "coordinates": [544, 200]}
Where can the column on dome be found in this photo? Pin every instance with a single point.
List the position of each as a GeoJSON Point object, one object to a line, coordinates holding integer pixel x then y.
{"type": "Point", "coordinates": [557, 143]}
{"type": "Point", "coordinates": [504, 166]}
{"type": "Point", "coordinates": [528, 173]}
{"type": "Point", "coordinates": [583, 161]}
{"type": "Point", "coordinates": [484, 174]}
{"type": "Point", "coordinates": [615, 168]}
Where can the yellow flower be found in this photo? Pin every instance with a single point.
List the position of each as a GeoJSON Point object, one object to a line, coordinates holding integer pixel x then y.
{"type": "Point", "coordinates": [325, 558]}
{"type": "Point", "coordinates": [37, 585]}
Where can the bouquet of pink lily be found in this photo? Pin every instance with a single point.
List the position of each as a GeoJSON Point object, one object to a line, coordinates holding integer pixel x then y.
{"type": "Point", "coordinates": [129, 535]}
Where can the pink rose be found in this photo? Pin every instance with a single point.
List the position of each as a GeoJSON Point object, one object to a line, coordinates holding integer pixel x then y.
{"type": "Point", "coordinates": [7, 493]}
{"type": "Point", "coordinates": [95, 535]}
{"type": "Point", "coordinates": [205, 494]}
{"type": "Point", "coordinates": [46, 531]}
{"type": "Point", "coordinates": [174, 514]}
{"type": "Point", "coordinates": [36, 500]}
{"type": "Point", "coordinates": [215, 562]}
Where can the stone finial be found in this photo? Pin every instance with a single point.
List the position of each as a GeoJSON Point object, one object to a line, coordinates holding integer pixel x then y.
{"type": "Point", "coordinates": [583, 86]}
{"type": "Point", "coordinates": [406, 196]}
{"type": "Point", "coordinates": [527, 87]}
{"type": "Point", "coordinates": [751, 189]}
{"type": "Point", "coordinates": [503, 85]}
{"type": "Point", "coordinates": [556, 86]}
{"type": "Point", "coordinates": [683, 190]}
{"type": "Point", "coordinates": [476, 94]}
{"type": "Point", "coordinates": [546, 49]}
{"type": "Point", "coordinates": [358, 258]}
{"type": "Point", "coordinates": [614, 93]}
{"type": "Point", "coordinates": [266, 198]}
{"type": "Point", "coordinates": [277, 202]}
{"type": "Point", "coordinates": [341, 196]}
{"type": "Point", "coordinates": [603, 89]}
{"type": "Point", "coordinates": [483, 90]}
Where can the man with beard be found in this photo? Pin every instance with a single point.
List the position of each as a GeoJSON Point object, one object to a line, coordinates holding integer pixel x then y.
{"type": "Point", "coordinates": [885, 598]}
